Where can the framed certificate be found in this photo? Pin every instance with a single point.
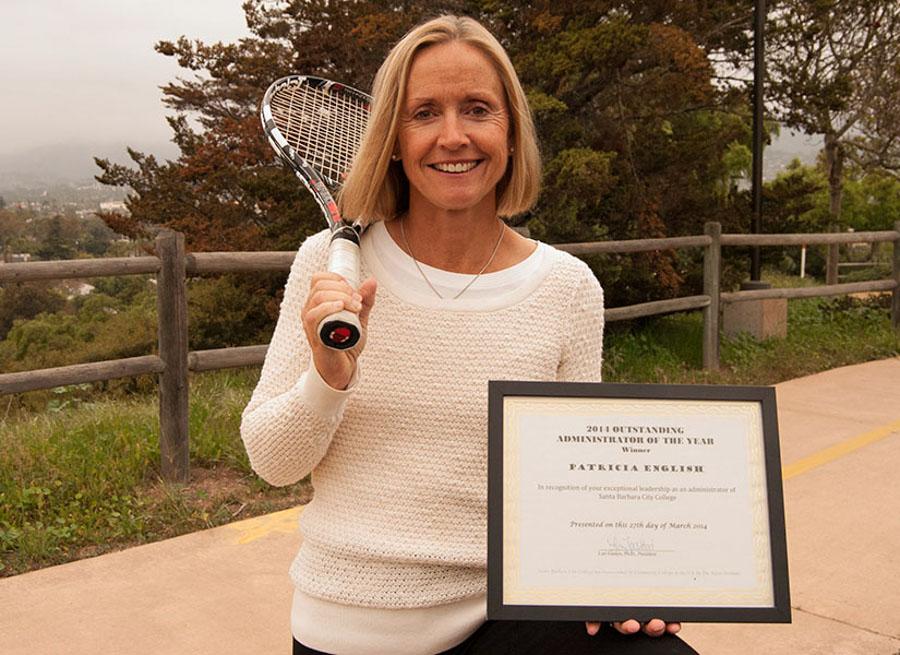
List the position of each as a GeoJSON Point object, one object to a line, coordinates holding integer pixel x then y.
{"type": "Point", "coordinates": [616, 501]}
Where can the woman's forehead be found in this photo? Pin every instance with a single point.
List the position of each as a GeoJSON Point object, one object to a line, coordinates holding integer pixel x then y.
{"type": "Point", "coordinates": [451, 68]}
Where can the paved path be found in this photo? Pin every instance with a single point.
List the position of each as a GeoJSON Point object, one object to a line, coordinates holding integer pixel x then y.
{"type": "Point", "coordinates": [226, 590]}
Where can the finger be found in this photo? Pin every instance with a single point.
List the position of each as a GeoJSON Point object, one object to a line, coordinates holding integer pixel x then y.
{"type": "Point", "coordinates": [326, 275]}
{"type": "Point", "coordinates": [334, 289]}
{"type": "Point", "coordinates": [655, 627]}
{"type": "Point", "coordinates": [315, 315]}
{"type": "Point", "coordinates": [352, 302]}
{"type": "Point", "coordinates": [673, 628]}
{"type": "Point", "coordinates": [628, 627]}
{"type": "Point", "coordinates": [592, 627]}
{"type": "Point", "coordinates": [332, 285]}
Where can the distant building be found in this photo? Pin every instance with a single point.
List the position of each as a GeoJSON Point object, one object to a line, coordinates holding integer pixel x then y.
{"type": "Point", "coordinates": [115, 206]}
{"type": "Point", "coordinates": [76, 288]}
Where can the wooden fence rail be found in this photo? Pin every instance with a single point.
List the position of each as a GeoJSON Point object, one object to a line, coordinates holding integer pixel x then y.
{"type": "Point", "coordinates": [172, 266]}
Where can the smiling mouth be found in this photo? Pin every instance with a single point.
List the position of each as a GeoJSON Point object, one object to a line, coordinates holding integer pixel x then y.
{"type": "Point", "coordinates": [456, 167]}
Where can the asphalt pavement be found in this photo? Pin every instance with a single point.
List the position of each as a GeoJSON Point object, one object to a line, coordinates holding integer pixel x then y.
{"type": "Point", "coordinates": [226, 590]}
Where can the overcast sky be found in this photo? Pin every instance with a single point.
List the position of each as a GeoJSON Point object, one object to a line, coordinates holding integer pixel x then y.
{"type": "Point", "coordinates": [82, 75]}
{"type": "Point", "coordinates": [85, 71]}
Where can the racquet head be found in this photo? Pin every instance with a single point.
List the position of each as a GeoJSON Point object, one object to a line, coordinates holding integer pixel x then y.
{"type": "Point", "coordinates": [316, 125]}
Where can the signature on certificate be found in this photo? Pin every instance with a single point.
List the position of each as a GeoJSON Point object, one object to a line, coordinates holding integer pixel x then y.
{"type": "Point", "coordinates": [628, 547]}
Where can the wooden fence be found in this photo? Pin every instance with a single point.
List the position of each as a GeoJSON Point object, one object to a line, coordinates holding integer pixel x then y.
{"type": "Point", "coordinates": [174, 361]}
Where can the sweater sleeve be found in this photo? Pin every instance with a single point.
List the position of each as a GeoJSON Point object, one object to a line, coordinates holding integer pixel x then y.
{"type": "Point", "coordinates": [288, 424]}
{"type": "Point", "coordinates": [582, 352]}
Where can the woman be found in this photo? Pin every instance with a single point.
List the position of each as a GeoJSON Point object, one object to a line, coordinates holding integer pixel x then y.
{"type": "Point", "coordinates": [393, 558]}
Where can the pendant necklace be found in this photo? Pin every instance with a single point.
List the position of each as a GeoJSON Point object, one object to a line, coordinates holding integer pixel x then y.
{"type": "Point", "coordinates": [425, 277]}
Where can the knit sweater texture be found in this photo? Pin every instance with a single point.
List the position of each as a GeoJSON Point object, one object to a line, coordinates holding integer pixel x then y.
{"type": "Point", "coordinates": [399, 515]}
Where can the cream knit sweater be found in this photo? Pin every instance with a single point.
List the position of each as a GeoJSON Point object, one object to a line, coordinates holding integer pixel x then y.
{"type": "Point", "coordinates": [399, 460]}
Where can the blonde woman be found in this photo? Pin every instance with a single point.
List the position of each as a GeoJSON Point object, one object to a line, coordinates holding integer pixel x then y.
{"type": "Point", "coordinates": [393, 559]}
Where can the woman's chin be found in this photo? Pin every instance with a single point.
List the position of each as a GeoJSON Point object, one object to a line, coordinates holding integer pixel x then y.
{"type": "Point", "coordinates": [459, 203]}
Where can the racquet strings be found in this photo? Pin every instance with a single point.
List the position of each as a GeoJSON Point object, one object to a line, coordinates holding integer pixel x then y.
{"type": "Point", "coordinates": [324, 127]}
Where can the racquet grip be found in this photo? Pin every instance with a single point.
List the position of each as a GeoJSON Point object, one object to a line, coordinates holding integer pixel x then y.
{"type": "Point", "coordinates": [342, 329]}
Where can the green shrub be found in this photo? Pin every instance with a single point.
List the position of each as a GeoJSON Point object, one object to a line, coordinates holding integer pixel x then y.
{"type": "Point", "coordinates": [227, 311]}
{"type": "Point", "coordinates": [101, 328]}
{"type": "Point", "coordinates": [24, 301]}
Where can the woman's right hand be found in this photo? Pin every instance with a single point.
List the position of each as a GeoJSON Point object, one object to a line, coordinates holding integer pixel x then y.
{"type": "Point", "coordinates": [330, 293]}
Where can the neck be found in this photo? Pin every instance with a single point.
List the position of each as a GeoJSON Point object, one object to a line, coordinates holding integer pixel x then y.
{"type": "Point", "coordinates": [460, 242]}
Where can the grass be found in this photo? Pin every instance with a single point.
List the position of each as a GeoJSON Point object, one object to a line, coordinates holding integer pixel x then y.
{"type": "Point", "coordinates": [823, 333]}
{"type": "Point", "coordinates": [81, 477]}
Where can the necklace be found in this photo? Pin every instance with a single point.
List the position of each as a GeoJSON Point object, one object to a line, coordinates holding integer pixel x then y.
{"type": "Point", "coordinates": [425, 277]}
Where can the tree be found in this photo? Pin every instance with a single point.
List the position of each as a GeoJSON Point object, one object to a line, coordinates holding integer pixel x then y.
{"type": "Point", "coordinates": [96, 237]}
{"type": "Point", "coordinates": [789, 199]}
{"type": "Point", "coordinates": [227, 191]}
{"type": "Point", "coordinates": [634, 102]}
{"type": "Point", "coordinates": [635, 122]}
{"type": "Point", "coordinates": [25, 301]}
{"type": "Point", "coordinates": [54, 244]}
{"type": "Point", "coordinates": [876, 144]}
{"type": "Point", "coordinates": [871, 199]}
{"type": "Point", "coordinates": [834, 71]}
{"type": "Point", "coordinates": [10, 228]}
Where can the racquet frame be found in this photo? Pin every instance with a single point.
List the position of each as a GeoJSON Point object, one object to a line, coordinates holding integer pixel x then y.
{"type": "Point", "coordinates": [318, 140]}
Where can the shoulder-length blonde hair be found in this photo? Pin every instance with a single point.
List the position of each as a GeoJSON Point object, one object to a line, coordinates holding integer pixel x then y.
{"type": "Point", "coordinates": [376, 187]}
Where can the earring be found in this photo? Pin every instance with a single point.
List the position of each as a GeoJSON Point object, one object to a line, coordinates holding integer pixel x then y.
{"type": "Point", "coordinates": [395, 157]}
{"type": "Point", "coordinates": [511, 150]}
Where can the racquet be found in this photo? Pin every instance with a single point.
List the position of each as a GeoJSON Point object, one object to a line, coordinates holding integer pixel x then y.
{"type": "Point", "coordinates": [315, 125]}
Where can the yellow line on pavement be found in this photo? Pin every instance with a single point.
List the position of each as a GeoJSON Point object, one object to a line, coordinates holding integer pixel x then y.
{"type": "Point", "coordinates": [259, 526]}
{"type": "Point", "coordinates": [839, 450]}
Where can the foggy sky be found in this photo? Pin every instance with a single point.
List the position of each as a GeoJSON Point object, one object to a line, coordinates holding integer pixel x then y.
{"type": "Point", "coordinates": [82, 76]}
{"type": "Point", "coordinates": [86, 72]}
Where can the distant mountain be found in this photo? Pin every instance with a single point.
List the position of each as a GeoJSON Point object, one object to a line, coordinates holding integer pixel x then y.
{"type": "Point", "coordinates": [70, 162]}
{"type": "Point", "coordinates": [73, 162]}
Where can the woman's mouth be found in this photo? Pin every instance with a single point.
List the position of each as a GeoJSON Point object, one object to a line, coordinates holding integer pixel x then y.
{"type": "Point", "coordinates": [456, 167]}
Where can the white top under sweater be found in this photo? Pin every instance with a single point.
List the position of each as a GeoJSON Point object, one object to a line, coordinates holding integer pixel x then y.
{"type": "Point", "coordinates": [393, 558]}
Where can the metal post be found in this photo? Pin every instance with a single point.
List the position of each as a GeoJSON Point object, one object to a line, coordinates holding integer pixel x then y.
{"type": "Point", "coordinates": [895, 296]}
{"type": "Point", "coordinates": [759, 75]}
{"type": "Point", "coordinates": [712, 258]}
{"type": "Point", "coordinates": [171, 306]}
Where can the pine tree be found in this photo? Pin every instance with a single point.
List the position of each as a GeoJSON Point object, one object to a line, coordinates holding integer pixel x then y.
{"type": "Point", "coordinates": [635, 122]}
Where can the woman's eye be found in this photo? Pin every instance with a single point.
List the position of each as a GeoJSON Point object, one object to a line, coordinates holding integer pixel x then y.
{"type": "Point", "coordinates": [423, 114]}
{"type": "Point", "coordinates": [478, 110]}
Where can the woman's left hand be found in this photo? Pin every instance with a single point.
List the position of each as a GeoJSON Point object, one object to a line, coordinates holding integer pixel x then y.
{"type": "Point", "coordinates": [653, 628]}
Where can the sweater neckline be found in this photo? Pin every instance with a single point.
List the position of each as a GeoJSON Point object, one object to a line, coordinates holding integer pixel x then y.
{"type": "Point", "coordinates": [396, 272]}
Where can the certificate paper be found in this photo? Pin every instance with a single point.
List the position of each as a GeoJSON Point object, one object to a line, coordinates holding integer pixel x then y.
{"type": "Point", "coordinates": [614, 501]}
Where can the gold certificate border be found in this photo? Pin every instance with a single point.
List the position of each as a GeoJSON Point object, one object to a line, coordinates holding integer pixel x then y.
{"type": "Point", "coordinates": [750, 412]}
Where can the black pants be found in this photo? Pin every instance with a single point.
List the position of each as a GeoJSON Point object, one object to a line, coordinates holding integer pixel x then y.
{"type": "Point", "coordinates": [552, 638]}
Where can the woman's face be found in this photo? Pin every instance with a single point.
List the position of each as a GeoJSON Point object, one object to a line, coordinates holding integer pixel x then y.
{"type": "Point", "coordinates": [453, 129]}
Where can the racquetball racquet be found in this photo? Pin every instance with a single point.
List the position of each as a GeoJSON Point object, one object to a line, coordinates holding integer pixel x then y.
{"type": "Point", "coordinates": [315, 125]}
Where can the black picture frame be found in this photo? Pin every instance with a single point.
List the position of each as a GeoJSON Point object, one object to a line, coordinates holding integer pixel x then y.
{"type": "Point", "coordinates": [497, 609]}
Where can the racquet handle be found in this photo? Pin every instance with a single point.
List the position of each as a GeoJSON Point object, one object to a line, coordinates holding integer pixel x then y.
{"type": "Point", "coordinates": [342, 329]}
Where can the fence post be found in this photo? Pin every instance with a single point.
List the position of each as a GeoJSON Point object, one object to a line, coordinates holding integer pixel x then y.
{"type": "Point", "coordinates": [171, 306]}
{"type": "Point", "coordinates": [831, 263]}
{"type": "Point", "coordinates": [712, 261]}
{"type": "Point", "coordinates": [895, 296]}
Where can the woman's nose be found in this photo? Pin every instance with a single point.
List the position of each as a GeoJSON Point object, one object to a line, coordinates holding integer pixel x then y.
{"type": "Point", "coordinates": [453, 133]}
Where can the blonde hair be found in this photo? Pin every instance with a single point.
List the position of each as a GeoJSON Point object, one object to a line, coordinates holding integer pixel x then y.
{"type": "Point", "coordinates": [376, 187]}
